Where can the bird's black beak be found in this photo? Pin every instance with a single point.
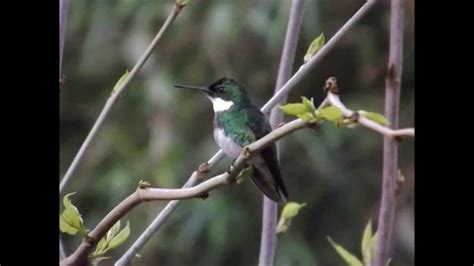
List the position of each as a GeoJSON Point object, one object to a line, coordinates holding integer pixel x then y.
{"type": "Point", "coordinates": [203, 89]}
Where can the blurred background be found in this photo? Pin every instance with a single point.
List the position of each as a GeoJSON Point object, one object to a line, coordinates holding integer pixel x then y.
{"type": "Point", "coordinates": [161, 134]}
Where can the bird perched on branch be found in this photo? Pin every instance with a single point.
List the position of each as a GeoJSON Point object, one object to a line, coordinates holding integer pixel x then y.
{"type": "Point", "coordinates": [237, 123]}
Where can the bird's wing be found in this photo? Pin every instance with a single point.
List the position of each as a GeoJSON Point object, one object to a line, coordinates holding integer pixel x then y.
{"type": "Point", "coordinates": [274, 188]}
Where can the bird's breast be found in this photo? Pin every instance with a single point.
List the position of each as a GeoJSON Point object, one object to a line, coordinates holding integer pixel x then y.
{"type": "Point", "coordinates": [226, 143]}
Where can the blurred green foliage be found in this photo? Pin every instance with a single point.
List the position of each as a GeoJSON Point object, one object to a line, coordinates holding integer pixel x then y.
{"type": "Point", "coordinates": [161, 134]}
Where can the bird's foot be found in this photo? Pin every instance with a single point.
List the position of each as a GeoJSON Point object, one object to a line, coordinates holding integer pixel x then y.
{"type": "Point", "coordinates": [246, 172]}
{"type": "Point", "coordinates": [229, 170]}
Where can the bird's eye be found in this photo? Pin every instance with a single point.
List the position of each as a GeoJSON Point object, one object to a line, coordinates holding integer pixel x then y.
{"type": "Point", "coordinates": [220, 89]}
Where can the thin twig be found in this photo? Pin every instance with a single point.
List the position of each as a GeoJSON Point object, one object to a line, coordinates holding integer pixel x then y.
{"type": "Point", "coordinates": [79, 257]}
{"type": "Point", "coordinates": [163, 215]}
{"type": "Point", "coordinates": [115, 94]}
{"type": "Point", "coordinates": [306, 68]}
{"type": "Point", "coordinates": [386, 131]}
{"type": "Point", "coordinates": [62, 251]}
{"type": "Point", "coordinates": [63, 10]}
{"type": "Point", "coordinates": [268, 238]}
{"type": "Point", "coordinates": [390, 147]}
{"type": "Point", "coordinates": [216, 158]}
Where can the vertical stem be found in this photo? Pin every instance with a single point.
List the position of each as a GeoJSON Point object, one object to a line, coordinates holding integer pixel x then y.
{"type": "Point", "coordinates": [63, 9]}
{"type": "Point", "coordinates": [268, 238]}
{"type": "Point", "coordinates": [270, 209]}
{"type": "Point", "coordinates": [62, 251]}
{"type": "Point", "coordinates": [390, 153]}
{"type": "Point", "coordinates": [287, 57]}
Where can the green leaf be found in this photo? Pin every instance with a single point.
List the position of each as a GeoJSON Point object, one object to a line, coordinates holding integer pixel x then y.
{"type": "Point", "coordinates": [307, 117]}
{"type": "Point", "coordinates": [290, 210]}
{"type": "Point", "coordinates": [101, 248]}
{"type": "Point", "coordinates": [121, 79]}
{"type": "Point", "coordinates": [244, 174]}
{"type": "Point", "coordinates": [111, 240]}
{"type": "Point", "coordinates": [120, 237]}
{"type": "Point", "coordinates": [66, 228]}
{"type": "Point", "coordinates": [376, 117]}
{"type": "Point", "coordinates": [303, 110]}
{"type": "Point", "coordinates": [282, 227]}
{"type": "Point", "coordinates": [365, 246]}
{"type": "Point", "coordinates": [350, 259]}
{"type": "Point", "coordinates": [113, 231]}
{"type": "Point", "coordinates": [70, 220]}
{"type": "Point", "coordinates": [182, 2]}
{"type": "Point", "coordinates": [373, 243]}
{"type": "Point", "coordinates": [314, 47]}
{"type": "Point", "coordinates": [294, 109]}
{"type": "Point", "coordinates": [331, 113]}
{"type": "Point", "coordinates": [309, 104]}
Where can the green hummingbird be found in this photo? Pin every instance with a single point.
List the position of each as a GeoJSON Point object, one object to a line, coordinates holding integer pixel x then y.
{"type": "Point", "coordinates": [237, 123]}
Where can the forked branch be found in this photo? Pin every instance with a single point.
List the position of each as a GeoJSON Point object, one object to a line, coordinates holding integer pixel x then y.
{"type": "Point", "coordinates": [142, 194]}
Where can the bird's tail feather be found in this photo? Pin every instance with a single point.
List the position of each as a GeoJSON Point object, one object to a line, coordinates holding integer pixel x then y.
{"type": "Point", "coordinates": [269, 189]}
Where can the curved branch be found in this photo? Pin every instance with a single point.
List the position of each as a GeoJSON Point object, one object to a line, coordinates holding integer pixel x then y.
{"type": "Point", "coordinates": [164, 214]}
{"type": "Point", "coordinates": [79, 257]}
{"type": "Point", "coordinates": [386, 131]}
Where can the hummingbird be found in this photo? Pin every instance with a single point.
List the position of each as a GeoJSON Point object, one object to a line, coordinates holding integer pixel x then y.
{"type": "Point", "coordinates": [239, 122]}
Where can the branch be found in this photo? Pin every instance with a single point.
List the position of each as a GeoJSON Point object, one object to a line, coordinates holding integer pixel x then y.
{"type": "Point", "coordinates": [79, 257]}
{"type": "Point", "coordinates": [268, 238]}
{"type": "Point", "coordinates": [386, 131]}
{"type": "Point", "coordinates": [390, 147]}
{"type": "Point", "coordinates": [63, 10]}
{"type": "Point", "coordinates": [289, 85]}
{"type": "Point", "coordinates": [164, 214]}
{"type": "Point", "coordinates": [115, 94]}
{"type": "Point", "coordinates": [306, 68]}
{"type": "Point", "coordinates": [62, 251]}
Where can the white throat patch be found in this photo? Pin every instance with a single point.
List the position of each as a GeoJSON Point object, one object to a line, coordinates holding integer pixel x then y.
{"type": "Point", "coordinates": [220, 105]}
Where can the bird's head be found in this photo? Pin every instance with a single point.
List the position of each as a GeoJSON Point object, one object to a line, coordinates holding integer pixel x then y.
{"type": "Point", "coordinates": [223, 93]}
